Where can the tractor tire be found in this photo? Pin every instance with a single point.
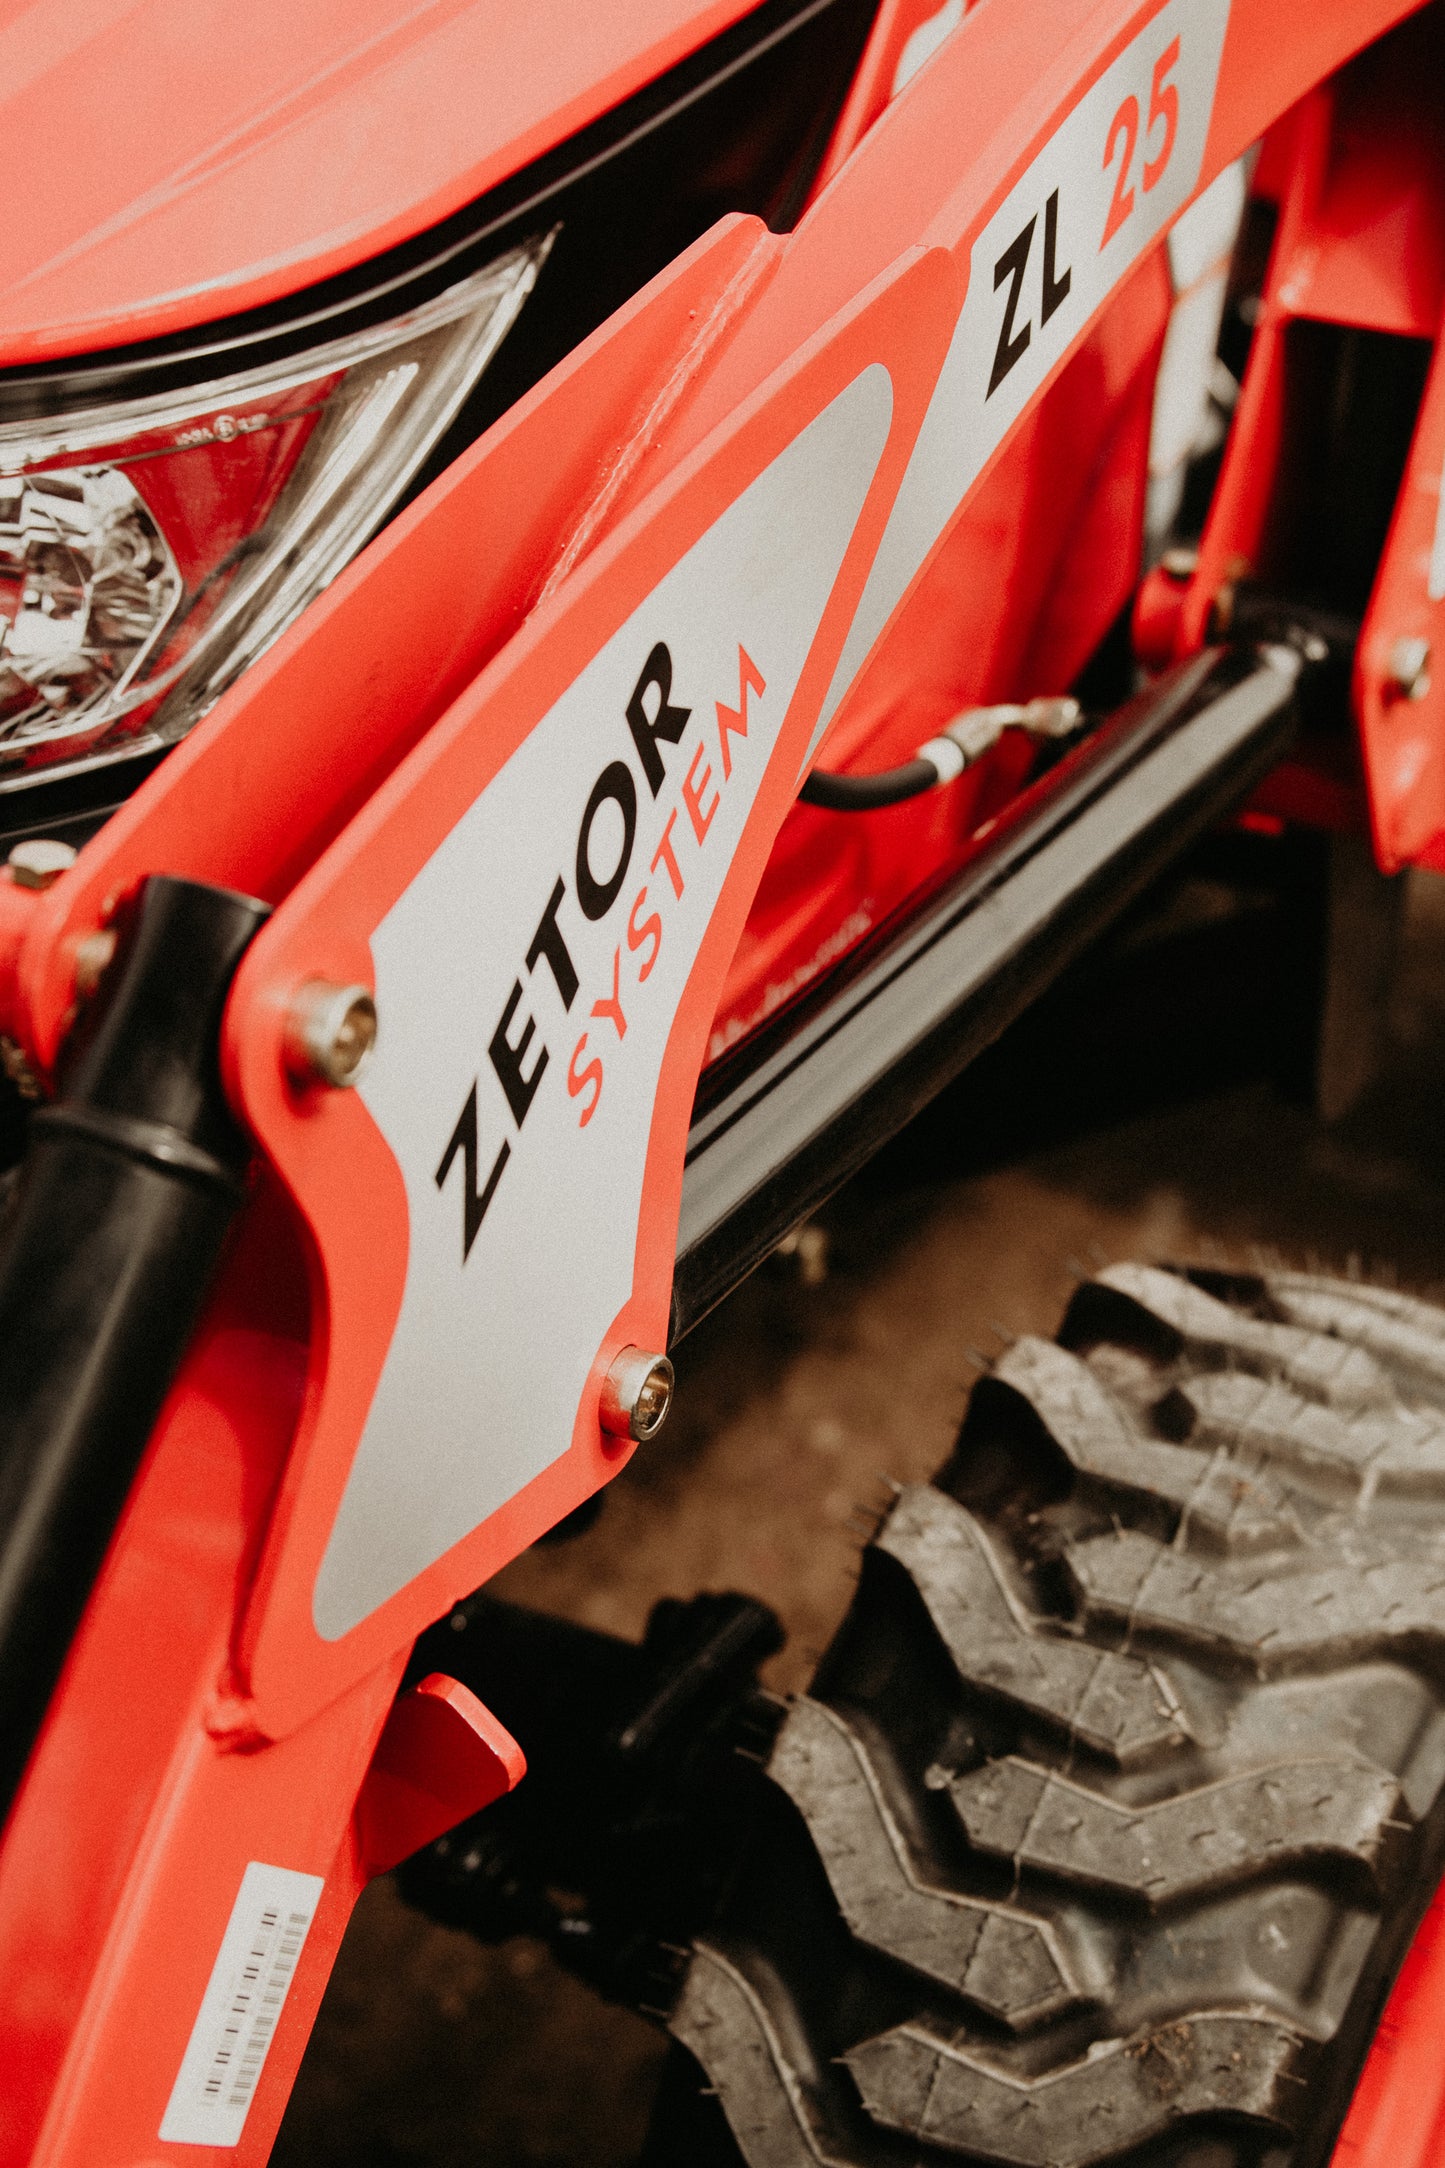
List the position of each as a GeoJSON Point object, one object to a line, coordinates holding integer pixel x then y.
{"type": "Point", "coordinates": [1116, 1800]}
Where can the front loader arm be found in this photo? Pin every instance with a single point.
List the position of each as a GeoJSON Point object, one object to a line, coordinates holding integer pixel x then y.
{"type": "Point", "coordinates": [596, 656]}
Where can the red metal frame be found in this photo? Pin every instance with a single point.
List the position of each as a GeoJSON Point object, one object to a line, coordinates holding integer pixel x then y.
{"type": "Point", "coordinates": [1397, 2117]}
{"type": "Point", "coordinates": [1358, 168]}
{"type": "Point", "coordinates": [326, 780]}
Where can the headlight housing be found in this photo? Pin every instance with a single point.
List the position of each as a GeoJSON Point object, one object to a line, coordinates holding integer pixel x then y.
{"type": "Point", "coordinates": [151, 548]}
{"type": "Point", "coordinates": [158, 532]}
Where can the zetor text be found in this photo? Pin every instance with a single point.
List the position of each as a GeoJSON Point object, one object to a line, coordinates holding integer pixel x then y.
{"type": "Point", "coordinates": [516, 1051]}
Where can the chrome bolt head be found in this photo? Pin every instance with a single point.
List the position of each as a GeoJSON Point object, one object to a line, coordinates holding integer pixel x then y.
{"type": "Point", "coordinates": [93, 957]}
{"type": "Point", "coordinates": [1409, 669]}
{"type": "Point", "coordinates": [40, 861]}
{"type": "Point", "coordinates": [330, 1031]}
{"type": "Point", "coordinates": [806, 1250]}
{"type": "Point", "coordinates": [636, 1395]}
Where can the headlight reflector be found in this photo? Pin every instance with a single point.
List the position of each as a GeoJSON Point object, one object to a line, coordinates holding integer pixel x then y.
{"type": "Point", "coordinates": [87, 585]}
{"type": "Point", "coordinates": [151, 549]}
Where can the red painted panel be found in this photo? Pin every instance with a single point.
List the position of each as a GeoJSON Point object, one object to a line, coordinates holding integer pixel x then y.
{"type": "Point", "coordinates": [164, 162]}
{"type": "Point", "coordinates": [1397, 2117]}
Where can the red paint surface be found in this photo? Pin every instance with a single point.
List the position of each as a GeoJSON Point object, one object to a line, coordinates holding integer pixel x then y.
{"type": "Point", "coordinates": [1397, 2117]}
{"type": "Point", "coordinates": [169, 161]}
{"type": "Point", "coordinates": [1359, 174]}
{"type": "Point", "coordinates": [441, 1757]}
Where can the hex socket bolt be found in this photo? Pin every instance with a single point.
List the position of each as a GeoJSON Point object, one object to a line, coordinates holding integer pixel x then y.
{"type": "Point", "coordinates": [636, 1395]}
{"type": "Point", "coordinates": [1409, 667]}
{"type": "Point", "coordinates": [39, 861]}
{"type": "Point", "coordinates": [330, 1031]}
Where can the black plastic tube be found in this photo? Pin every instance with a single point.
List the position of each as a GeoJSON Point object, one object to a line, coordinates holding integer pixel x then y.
{"type": "Point", "coordinates": [866, 793]}
{"type": "Point", "coordinates": [130, 1181]}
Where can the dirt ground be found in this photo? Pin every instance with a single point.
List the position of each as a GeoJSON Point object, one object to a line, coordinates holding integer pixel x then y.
{"type": "Point", "coordinates": [796, 1404]}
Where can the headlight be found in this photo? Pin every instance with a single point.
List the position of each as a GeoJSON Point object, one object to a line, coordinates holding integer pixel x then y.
{"type": "Point", "coordinates": [151, 549]}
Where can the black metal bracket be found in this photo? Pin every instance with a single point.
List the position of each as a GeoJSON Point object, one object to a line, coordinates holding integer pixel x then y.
{"type": "Point", "coordinates": [641, 1780]}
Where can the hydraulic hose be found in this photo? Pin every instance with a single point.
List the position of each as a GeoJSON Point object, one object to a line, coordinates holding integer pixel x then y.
{"type": "Point", "coordinates": [965, 740]}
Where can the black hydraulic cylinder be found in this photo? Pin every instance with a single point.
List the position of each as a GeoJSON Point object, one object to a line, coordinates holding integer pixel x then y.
{"type": "Point", "coordinates": [131, 1178]}
{"type": "Point", "coordinates": [785, 1119]}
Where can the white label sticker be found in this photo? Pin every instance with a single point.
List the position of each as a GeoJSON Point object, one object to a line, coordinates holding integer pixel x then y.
{"type": "Point", "coordinates": [241, 2007]}
{"type": "Point", "coordinates": [527, 983]}
{"type": "Point", "coordinates": [1100, 190]}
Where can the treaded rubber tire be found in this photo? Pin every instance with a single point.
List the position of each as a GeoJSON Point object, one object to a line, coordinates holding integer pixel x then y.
{"type": "Point", "coordinates": [1118, 1796]}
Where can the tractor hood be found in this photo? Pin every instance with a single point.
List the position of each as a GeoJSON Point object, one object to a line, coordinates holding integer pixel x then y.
{"type": "Point", "coordinates": [171, 161]}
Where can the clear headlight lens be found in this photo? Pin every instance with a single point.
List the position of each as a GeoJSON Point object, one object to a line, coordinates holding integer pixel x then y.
{"type": "Point", "coordinates": [150, 549]}
{"type": "Point", "coordinates": [87, 584]}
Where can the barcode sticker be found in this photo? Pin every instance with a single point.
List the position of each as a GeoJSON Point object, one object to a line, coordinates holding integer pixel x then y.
{"type": "Point", "coordinates": [241, 2007]}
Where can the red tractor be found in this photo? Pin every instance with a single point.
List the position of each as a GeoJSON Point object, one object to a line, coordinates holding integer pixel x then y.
{"type": "Point", "coordinates": [593, 602]}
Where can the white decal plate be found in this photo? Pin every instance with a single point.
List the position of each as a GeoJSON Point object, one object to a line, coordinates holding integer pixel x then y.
{"type": "Point", "coordinates": [527, 983]}
{"type": "Point", "coordinates": [241, 2007]}
{"type": "Point", "coordinates": [1101, 189]}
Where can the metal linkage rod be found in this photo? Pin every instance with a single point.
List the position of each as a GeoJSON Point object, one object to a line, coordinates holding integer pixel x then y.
{"type": "Point", "coordinates": [780, 1124]}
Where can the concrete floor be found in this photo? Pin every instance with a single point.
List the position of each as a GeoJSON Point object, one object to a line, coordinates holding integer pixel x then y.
{"type": "Point", "coordinates": [795, 1404]}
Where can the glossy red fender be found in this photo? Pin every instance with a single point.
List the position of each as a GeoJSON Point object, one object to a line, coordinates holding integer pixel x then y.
{"type": "Point", "coordinates": [458, 698]}
{"type": "Point", "coordinates": [180, 159]}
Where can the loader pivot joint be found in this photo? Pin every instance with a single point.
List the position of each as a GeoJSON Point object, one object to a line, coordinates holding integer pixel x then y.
{"type": "Point", "coordinates": [640, 1784]}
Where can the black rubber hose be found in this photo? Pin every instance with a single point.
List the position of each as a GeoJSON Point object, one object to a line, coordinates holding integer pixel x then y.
{"type": "Point", "coordinates": [129, 1184]}
{"type": "Point", "coordinates": [865, 793]}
